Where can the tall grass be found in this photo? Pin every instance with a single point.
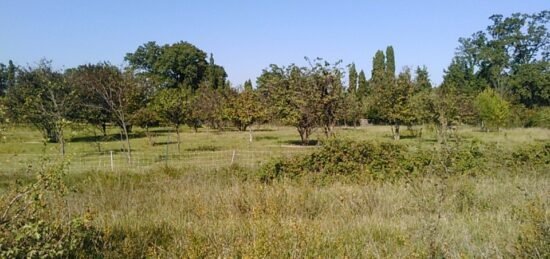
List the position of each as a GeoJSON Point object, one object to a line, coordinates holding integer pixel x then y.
{"type": "Point", "coordinates": [221, 215]}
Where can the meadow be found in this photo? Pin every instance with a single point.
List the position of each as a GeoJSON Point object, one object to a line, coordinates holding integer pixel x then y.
{"type": "Point", "coordinates": [228, 211]}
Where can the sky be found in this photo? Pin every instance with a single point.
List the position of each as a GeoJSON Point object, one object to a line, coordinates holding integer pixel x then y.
{"type": "Point", "coordinates": [247, 36]}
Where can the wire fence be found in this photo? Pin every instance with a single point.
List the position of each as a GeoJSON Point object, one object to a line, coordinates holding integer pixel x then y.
{"type": "Point", "coordinates": [119, 161]}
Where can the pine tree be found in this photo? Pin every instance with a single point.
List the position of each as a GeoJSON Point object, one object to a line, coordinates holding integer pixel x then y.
{"type": "Point", "coordinates": [352, 85]}
{"type": "Point", "coordinates": [363, 89]}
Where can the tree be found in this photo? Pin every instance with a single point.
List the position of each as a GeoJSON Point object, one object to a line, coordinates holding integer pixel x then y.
{"type": "Point", "coordinates": [145, 118]}
{"type": "Point", "coordinates": [390, 62]}
{"type": "Point", "coordinates": [173, 106]}
{"type": "Point", "coordinates": [7, 77]}
{"type": "Point", "coordinates": [245, 108]}
{"type": "Point", "coordinates": [43, 98]}
{"type": "Point", "coordinates": [304, 97]}
{"type": "Point", "coordinates": [530, 84]}
{"type": "Point", "coordinates": [378, 66]}
{"type": "Point", "coordinates": [509, 49]}
{"type": "Point", "coordinates": [422, 79]}
{"type": "Point", "coordinates": [394, 102]}
{"type": "Point", "coordinates": [363, 87]}
{"type": "Point", "coordinates": [248, 85]}
{"type": "Point", "coordinates": [352, 80]}
{"type": "Point", "coordinates": [110, 92]}
{"type": "Point", "coordinates": [493, 110]}
{"type": "Point", "coordinates": [209, 104]}
{"type": "Point", "coordinates": [215, 74]}
{"type": "Point", "coordinates": [178, 65]}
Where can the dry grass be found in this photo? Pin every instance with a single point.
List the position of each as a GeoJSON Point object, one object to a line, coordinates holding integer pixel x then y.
{"type": "Point", "coordinates": [221, 215]}
{"type": "Point", "coordinates": [229, 213]}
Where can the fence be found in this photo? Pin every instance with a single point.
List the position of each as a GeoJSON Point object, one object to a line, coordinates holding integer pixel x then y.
{"type": "Point", "coordinates": [118, 161]}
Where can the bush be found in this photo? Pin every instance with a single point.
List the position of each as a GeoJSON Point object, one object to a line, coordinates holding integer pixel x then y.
{"type": "Point", "coordinates": [34, 224]}
{"type": "Point", "coordinates": [376, 161]}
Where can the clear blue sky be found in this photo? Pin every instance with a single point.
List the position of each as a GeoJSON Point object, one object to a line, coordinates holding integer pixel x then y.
{"type": "Point", "coordinates": [247, 36]}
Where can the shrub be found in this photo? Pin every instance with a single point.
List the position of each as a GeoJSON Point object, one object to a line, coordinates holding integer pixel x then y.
{"type": "Point", "coordinates": [34, 224]}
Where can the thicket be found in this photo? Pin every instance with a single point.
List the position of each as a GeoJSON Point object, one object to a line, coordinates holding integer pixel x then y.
{"type": "Point", "coordinates": [389, 161]}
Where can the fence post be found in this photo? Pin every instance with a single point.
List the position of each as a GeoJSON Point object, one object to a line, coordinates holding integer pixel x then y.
{"type": "Point", "coordinates": [233, 157]}
{"type": "Point", "coordinates": [112, 162]}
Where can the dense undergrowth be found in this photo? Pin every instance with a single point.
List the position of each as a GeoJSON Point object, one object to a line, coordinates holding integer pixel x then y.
{"type": "Point", "coordinates": [349, 198]}
{"type": "Point", "coordinates": [389, 161]}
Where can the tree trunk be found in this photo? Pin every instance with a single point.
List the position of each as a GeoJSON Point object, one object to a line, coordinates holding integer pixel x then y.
{"type": "Point", "coordinates": [304, 135]}
{"type": "Point", "coordinates": [396, 135]}
{"type": "Point", "coordinates": [178, 137]}
{"type": "Point", "coordinates": [129, 150]}
{"type": "Point", "coordinates": [61, 140]}
{"type": "Point", "coordinates": [104, 128]}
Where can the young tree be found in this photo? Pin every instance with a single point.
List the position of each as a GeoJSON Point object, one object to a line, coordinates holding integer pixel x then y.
{"type": "Point", "coordinates": [394, 102]}
{"type": "Point", "coordinates": [492, 108]}
{"type": "Point", "coordinates": [304, 97]}
{"type": "Point", "coordinates": [173, 106]}
{"type": "Point", "coordinates": [245, 109]}
{"type": "Point", "coordinates": [43, 98]}
{"type": "Point", "coordinates": [209, 104]}
{"type": "Point", "coordinates": [110, 92]}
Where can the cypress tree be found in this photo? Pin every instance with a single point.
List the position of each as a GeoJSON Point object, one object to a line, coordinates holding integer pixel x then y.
{"type": "Point", "coordinates": [378, 65]}
{"type": "Point", "coordinates": [352, 87]}
{"type": "Point", "coordinates": [390, 62]}
{"type": "Point", "coordinates": [363, 85]}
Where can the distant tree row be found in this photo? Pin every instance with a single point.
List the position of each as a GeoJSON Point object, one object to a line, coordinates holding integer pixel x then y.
{"type": "Point", "coordinates": [499, 77]}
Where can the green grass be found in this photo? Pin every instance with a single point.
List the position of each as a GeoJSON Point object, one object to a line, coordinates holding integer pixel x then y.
{"type": "Point", "coordinates": [227, 212]}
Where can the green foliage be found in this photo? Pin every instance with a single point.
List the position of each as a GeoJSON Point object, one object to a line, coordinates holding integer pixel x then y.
{"type": "Point", "coordinates": [209, 104]}
{"type": "Point", "coordinates": [43, 98]}
{"type": "Point", "coordinates": [422, 79]}
{"type": "Point", "coordinates": [245, 109]}
{"type": "Point", "coordinates": [362, 85]}
{"type": "Point", "coordinates": [177, 65]}
{"type": "Point", "coordinates": [34, 222]}
{"type": "Point", "coordinates": [390, 62]}
{"type": "Point", "coordinates": [511, 55]}
{"type": "Point", "coordinates": [376, 161]}
{"type": "Point", "coordinates": [304, 97]}
{"type": "Point", "coordinates": [352, 79]}
{"type": "Point", "coordinates": [493, 110]}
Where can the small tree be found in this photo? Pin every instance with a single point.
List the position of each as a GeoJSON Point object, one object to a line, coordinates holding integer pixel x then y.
{"type": "Point", "coordinates": [173, 105]}
{"type": "Point", "coordinates": [393, 101]}
{"type": "Point", "coordinates": [493, 110]}
{"type": "Point", "coordinates": [111, 92]}
{"type": "Point", "coordinates": [43, 98]}
{"type": "Point", "coordinates": [245, 109]}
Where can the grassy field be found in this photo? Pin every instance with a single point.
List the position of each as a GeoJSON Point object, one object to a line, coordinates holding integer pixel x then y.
{"type": "Point", "coordinates": [227, 212]}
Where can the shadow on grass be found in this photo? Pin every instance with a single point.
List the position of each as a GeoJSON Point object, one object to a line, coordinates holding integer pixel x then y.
{"type": "Point", "coordinates": [164, 143]}
{"type": "Point", "coordinates": [311, 142]}
{"type": "Point", "coordinates": [259, 138]}
{"type": "Point", "coordinates": [203, 148]}
{"type": "Point", "coordinates": [108, 138]}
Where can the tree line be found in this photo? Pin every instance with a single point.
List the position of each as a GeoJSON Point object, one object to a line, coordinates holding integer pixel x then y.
{"type": "Point", "coordinates": [499, 77]}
